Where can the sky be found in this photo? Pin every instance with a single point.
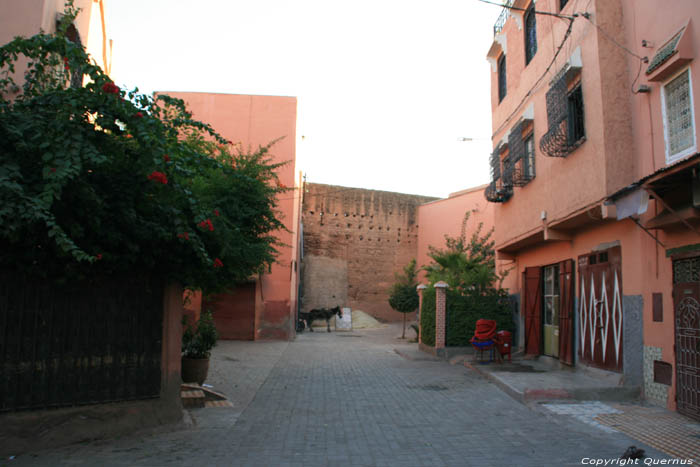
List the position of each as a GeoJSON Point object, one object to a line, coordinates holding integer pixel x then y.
{"type": "Point", "coordinates": [386, 88]}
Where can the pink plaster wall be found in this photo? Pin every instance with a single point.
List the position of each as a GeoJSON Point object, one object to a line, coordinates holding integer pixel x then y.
{"type": "Point", "coordinates": [254, 121]}
{"type": "Point", "coordinates": [657, 23]}
{"type": "Point", "coordinates": [444, 217]}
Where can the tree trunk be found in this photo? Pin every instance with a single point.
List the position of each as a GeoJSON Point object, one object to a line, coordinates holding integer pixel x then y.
{"type": "Point", "coordinates": [403, 333]}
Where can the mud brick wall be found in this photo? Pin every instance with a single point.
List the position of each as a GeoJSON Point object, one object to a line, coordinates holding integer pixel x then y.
{"type": "Point", "coordinates": [354, 242]}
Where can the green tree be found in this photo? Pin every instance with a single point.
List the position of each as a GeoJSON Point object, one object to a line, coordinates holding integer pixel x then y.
{"type": "Point", "coordinates": [403, 296]}
{"type": "Point", "coordinates": [97, 182]}
{"type": "Point", "coordinates": [466, 264]}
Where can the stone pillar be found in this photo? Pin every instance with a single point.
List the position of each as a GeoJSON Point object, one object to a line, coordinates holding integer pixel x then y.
{"type": "Point", "coordinates": [420, 290]}
{"type": "Point", "coordinates": [440, 312]}
{"type": "Point", "coordinates": [172, 345]}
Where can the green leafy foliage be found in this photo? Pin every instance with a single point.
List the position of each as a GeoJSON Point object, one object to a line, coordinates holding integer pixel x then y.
{"type": "Point", "coordinates": [465, 263]}
{"type": "Point", "coordinates": [427, 317]}
{"type": "Point", "coordinates": [468, 266]}
{"type": "Point", "coordinates": [198, 339]}
{"type": "Point", "coordinates": [403, 296]}
{"type": "Point", "coordinates": [96, 181]}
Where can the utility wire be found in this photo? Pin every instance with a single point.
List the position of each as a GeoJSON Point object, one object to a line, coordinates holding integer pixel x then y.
{"type": "Point", "coordinates": [611, 38]}
{"type": "Point", "coordinates": [537, 12]}
{"type": "Point", "coordinates": [537, 83]}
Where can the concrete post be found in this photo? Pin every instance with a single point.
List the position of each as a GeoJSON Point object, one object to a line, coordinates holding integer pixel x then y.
{"type": "Point", "coordinates": [440, 312]}
{"type": "Point", "coordinates": [420, 290]}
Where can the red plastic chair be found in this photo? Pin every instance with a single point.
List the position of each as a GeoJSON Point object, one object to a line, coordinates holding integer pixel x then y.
{"type": "Point", "coordinates": [484, 337]}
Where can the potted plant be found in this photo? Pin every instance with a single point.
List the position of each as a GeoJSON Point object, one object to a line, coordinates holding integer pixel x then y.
{"type": "Point", "coordinates": [197, 342]}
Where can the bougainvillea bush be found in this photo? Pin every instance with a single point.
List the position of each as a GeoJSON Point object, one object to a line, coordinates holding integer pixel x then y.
{"type": "Point", "coordinates": [96, 181]}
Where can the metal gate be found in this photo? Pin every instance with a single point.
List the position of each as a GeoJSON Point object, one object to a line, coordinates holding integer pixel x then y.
{"type": "Point", "coordinates": [686, 302]}
{"type": "Point", "coordinates": [600, 309]}
{"type": "Point", "coordinates": [78, 344]}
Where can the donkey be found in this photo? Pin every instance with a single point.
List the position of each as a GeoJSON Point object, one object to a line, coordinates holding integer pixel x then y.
{"type": "Point", "coordinates": [321, 313]}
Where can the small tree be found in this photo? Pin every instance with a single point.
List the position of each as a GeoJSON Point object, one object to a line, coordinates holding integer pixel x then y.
{"type": "Point", "coordinates": [403, 296]}
{"type": "Point", "coordinates": [467, 264]}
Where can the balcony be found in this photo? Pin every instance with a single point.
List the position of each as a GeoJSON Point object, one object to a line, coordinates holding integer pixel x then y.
{"type": "Point", "coordinates": [498, 27]}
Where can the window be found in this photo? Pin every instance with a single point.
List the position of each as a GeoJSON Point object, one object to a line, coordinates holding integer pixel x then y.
{"type": "Point", "coordinates": [530, 35]}
{"type": "Point", "coordinates": [575, 129]}
{"type": "Point", "coordinates": [502, 89]}
{"type": "Point", "coordinates": [679, 121]}
{"type": "Point", "coordinates": [562, 4]}
{"type": "Point", "coordinates": [529, 158]}
{"type": "Point", "coordinates": [551, 295]}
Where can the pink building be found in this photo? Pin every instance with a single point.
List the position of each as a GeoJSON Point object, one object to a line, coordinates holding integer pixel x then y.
{"type": "Point", "coordinates": [595, 186]}
{"type": "Point", "coordinates": [265, 307]}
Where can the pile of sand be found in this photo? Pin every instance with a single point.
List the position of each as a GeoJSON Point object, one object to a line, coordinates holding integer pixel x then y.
{"type": "Point", "coordinates": [361, 320]}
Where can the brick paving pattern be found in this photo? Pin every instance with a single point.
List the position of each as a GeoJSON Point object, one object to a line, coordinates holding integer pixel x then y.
{"type": "Point", "coordinates": [585, 412]}
{"type": "Point", "coordinates": [666, 431]}
{"type": "Point", "coordinates": [327, 400]}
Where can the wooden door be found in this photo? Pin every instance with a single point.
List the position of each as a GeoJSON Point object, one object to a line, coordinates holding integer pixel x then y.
{"type": "Point", "coordinates": [600, 309]}
{"type": "Point", "coordinates": [234, 312]}
{"type": "Point", "coordinates": [532, 309]}
{"type": "Point", "coordinates": [686, 303]}
{"type": "Point", "coordinates": [566, 311]}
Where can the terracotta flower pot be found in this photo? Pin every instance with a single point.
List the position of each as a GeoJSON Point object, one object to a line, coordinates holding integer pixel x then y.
{"type": "Point", "coordinates": [194, 370]}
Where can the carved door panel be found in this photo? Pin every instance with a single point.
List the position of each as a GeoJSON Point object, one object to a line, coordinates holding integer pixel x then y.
{"type": "Point", "coordinates": [532, 308]}
{"type": "Point", "coordinates": [566, 311]}
{"type": "Point", "coordinates": [686, 303]}
{"type": "Point", "coordinates": [600, 309]}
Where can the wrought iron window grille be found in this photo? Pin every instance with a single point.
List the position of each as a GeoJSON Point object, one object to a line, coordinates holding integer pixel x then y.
{"type": "Point", "coordinates": [565, 117]}
{"type": "Point", "coordinates": [521, 157]}
{"type": "Point", "coordinates": [500, 189]}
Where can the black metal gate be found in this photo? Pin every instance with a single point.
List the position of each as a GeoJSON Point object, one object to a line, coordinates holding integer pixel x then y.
{"type": "Point", "coordinates": [79, 343]}
{"type": "Point", "coordinates": [686, 302]}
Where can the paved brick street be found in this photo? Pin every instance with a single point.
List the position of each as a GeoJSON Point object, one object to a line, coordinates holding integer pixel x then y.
{"type": "Point", "coordinates": [350, 399]}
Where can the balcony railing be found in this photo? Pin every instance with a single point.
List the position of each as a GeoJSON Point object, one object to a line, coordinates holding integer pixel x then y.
{"type": "Point", "coordinates": [498, 27]}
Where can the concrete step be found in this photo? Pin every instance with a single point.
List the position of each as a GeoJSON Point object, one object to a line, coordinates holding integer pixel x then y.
{"type": "Point", "coordinates": [192, 398]}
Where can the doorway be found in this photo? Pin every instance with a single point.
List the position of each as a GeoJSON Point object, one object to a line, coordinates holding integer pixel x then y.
{"type": "Point", "coordinates": [550, 325]}
{"type": "Point", "coordinates": [686, 305]}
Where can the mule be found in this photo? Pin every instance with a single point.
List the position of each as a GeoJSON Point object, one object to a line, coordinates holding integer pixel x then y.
{"type": "Point", "coordinates": [321, 313]}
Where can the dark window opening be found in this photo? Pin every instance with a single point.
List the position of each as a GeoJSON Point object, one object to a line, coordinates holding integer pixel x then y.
{"type": "Point", "coordinates": [603, 257]}
{"type": "Point", "coordinates": [502, 87]}
{"type": "Point", "coordinates": [592, 259]}
{"type": "Point", "coordinates": [576, 131]}
{"type": "Point", "coordinates": [562, 4]}
{"type": "Point", "coordinates": [530, 35]}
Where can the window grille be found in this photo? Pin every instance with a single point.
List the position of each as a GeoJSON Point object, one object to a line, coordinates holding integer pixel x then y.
{"type": "Point", "coordinates": [566, 119]}
{"type": "Point", "coordinates": [499, 190]}
{"type": "Point", "coordinates": [530, 35]}
{"type": "Point", "coordinates": [502, 85]}
{"type": "Point", "coordinates": [679, 115]}
{"type": "Point", "coordinates": [521, 161]}
{"type": "Point", "coordinates": [686, 270]}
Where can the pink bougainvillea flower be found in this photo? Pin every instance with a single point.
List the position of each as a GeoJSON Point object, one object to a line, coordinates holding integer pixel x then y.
{"type": "Point", "coordinates": [218, 263]}
{"type": "Point", "coordinates": [206, 225]}
{"type": "Point", "coordinates": [65, 64]}
{"type": "Point", "coordinates": [166, 158]}
{"type": "Point", "coordinates": [110, 88]}
{"type": "Point", "coordinates": [184, 235]}
{"type": "Point", "coordinates": [53, 169]}
{"type": "Point", "coordinates": [138, 115]}
{"type": "Point", "coordinates": [216, 212]}
{"type": "Point", "coordinates": [159, 177]}
{"type": "Point", "coordinates": [98, 256]}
